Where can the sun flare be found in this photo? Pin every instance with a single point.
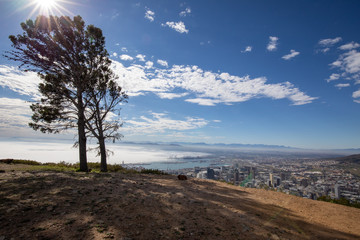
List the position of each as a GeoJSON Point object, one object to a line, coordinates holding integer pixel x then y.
{"type": "Point", "coordinates": [48, 7]}
{"type": "Point", "coordinates": [46, 4]}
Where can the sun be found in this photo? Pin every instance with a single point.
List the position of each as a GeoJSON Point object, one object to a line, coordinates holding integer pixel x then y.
{"type": "Point", "coordinates": [46, 4]}
{"type": "Point", "coordinates": [48, 7]}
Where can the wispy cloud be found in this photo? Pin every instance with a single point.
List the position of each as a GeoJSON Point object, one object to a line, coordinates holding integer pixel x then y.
{"type": "Point", "coordinates": [247, 49]}
{"type": "Point", "coordinates": [171, 95]}
{"type": "Point", "coordinates": [15, 113]}
{"type": "Point", "coordinates": [115, 15]}
{"type": "Point", "coordinates": [342, 85]}
{"type": "Point", "coordinates": [291, 55]}
{"type": "Point", "coordinates": [24, 83]}
{"type": "Point", "coordinates": [333, 77]}
{"type": "Point", "coordinates": [349, 46]}
{"type": "Point", "coordinates": [272, 45]}
{"type": "Point", "coordinates": [162, 63]}
{"type": "Point", "coordinates": [328, 42]}
{"type": "Point", "coordinates": [125, 57]}
{"type": "Point", "coordinates": [160, 123]}
{"type": "Point", "coordinates": [177, 26]}
{"type": "Point", "coordinates": [150, 15]}
{"type": "Point", "coordinates": [185, 13]}
{"type": "Point", "coordinates": [207, 42]}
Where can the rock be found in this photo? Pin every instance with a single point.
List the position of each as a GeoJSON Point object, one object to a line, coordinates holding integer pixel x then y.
{"type": "Point", "coordinates": [182, 177]}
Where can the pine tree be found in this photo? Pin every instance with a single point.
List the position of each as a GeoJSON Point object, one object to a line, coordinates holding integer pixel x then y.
{"type": "Point", "coordinates": [69, 58]}
{"type": "Point", "coordinates": [102, 120]}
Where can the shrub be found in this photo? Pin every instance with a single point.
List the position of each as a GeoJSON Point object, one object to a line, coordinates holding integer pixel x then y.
{"type": "Point", "coordinates": [152, 171]}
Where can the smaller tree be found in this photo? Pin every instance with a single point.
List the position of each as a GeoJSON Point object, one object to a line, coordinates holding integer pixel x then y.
{"type": "Point", "coordinates": [102, 114]}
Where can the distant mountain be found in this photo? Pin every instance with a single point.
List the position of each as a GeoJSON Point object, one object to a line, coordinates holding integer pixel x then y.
{"type": "Point", "coordinates": [339, 152]}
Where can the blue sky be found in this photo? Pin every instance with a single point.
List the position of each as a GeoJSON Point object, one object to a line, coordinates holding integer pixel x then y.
{"type": "Point", "coordinates": [254, 72]}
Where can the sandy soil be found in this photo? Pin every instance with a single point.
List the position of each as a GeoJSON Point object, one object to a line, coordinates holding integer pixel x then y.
{"type": "Point", "coordinates": [53, 205]}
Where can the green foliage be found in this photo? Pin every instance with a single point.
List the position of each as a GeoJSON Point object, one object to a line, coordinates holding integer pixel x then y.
{"type": "Point", "coordinates": [27, 162]}
{"type": "Point", "coordinates": [342, 201]}
{"type": "Point", "coordinates": [152, 171]}
{"type": "Point", "coordinates": [94, 166]}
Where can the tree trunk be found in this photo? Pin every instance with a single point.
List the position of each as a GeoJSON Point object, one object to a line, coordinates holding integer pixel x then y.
{"type": "Point", "coordinates": [103, 164]}
{"type": "Point", "coordinates": [82, 136]}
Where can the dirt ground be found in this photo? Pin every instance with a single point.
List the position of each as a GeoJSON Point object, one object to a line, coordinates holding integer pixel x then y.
{"type": "Point", "coordinates": [56, 205]}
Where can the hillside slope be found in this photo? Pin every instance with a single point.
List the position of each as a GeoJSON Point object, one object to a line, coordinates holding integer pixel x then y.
{"type": "Point", "coordinates": [50, 205]}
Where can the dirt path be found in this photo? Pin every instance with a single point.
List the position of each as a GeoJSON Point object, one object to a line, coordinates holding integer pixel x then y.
{"type": "Point", "coordinates": [49, 205]}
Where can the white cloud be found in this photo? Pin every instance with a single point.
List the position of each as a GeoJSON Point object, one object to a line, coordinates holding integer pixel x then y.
{"type": "Point", "coordinates": [114, 54]}
{"type": "Point", "coordinates": [177, 26]}
{"type": "Point", "coordinates": [149, 64]}
{"type": "Point", "coordinates": [203, 87]}
{"type": "Point", "coordinates": [272, 45]}
{"type": "Point", "coordinates": [200, 86]}
{"type": "Point", "coordinates": [356, 94]}
{"type": "Point", "coordinates": [325, 50]}
{"type": "Point", "coordinates": [217, 121]}
{"type": "Point", "coordinates": [333, 77]}
{"type": "Point", "coordinates": [171, 95]}
{"type": "Point", "coordinates": [124, 49]}
{"type": "Point", "coordinates": [348, 64]}
{"type": "Point", "coordinates": [15, 114]}
{"type": "Point", "coordinates": [186, 12]}
{"type": "Point", "coordinates": [247, 49]}
{"type": "Point", "coordinates": [349, 46]}
{"type": "Point", "coordinates": [24, 83]}
{"type": "Point", "coordinates": [292, 54]}
{"type": "Point", "coordinates": [342, 85]}
{"type": "Point", "coordinates": [162, 62]}
{"type": "Point", "coordinates": [203, 101]}
{"type": "Point", "coordinates": [141, 57]}
{"type": "Point", "coordinates": [161, 123]}
{"type": "Point", "coordinates": [125, 57]}
{"type": "Point", "coordinates": [336, 63]}
{"type": "Point", "coordinates": [150, 15]}
{"type": "Point", "coordinates": [328, 42]}
{"type": "Point", "coordinates": [14, 118]}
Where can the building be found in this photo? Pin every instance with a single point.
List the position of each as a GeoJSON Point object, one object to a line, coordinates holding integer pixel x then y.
{"type": "Point", "coordinates": [210, 173]}
{"type": "Point", "coordinates": [271, 180]}
{"type": "Point", "coordinates": [236, 176]}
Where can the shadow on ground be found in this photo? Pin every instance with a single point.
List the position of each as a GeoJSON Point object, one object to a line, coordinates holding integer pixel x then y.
{"type": "Point", "coordinates": [48, 205]}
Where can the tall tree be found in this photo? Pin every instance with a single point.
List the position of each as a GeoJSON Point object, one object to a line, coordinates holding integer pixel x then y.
{"type": "Point", "coordinates": [63, 52]}
{"type": "Point", "coordinates": [102, 114]}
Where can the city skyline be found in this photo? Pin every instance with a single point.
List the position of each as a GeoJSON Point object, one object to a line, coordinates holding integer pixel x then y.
{"type": "Point", "coordinates": [251, 72]}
